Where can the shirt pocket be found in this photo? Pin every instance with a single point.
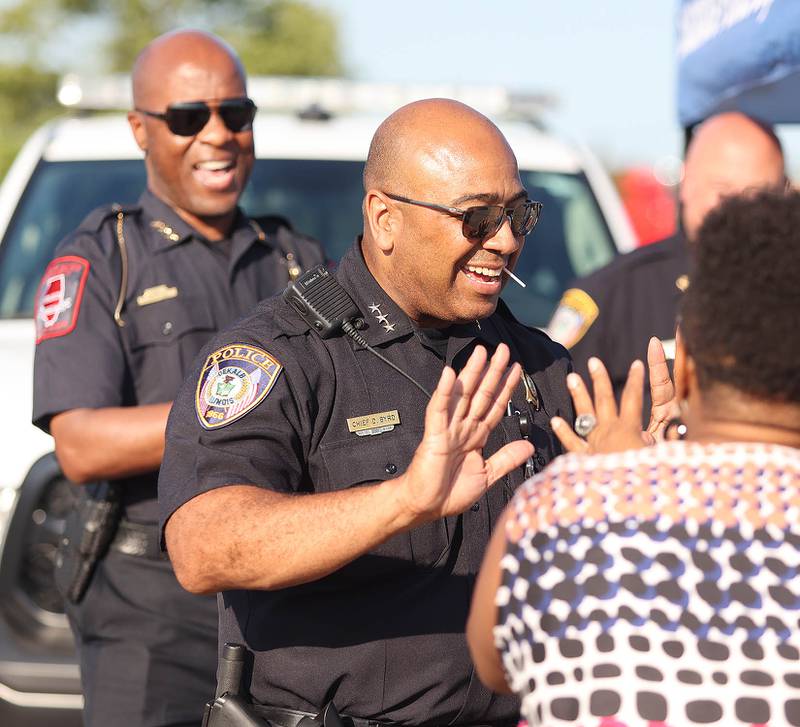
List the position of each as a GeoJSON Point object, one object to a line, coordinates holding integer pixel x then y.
{"type": "Point", "coordinates": [376, 458]}
{"type": "Point", "coordinates": [163, 340]}
{"type": "Point", "coordinates": [164, 323]}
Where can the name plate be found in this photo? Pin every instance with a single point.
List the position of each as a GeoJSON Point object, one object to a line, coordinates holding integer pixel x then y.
{"type": "Point", "coordinates": [368, 424]}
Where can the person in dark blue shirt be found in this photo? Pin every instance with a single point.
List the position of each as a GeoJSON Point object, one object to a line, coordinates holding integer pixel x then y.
{"type": "Point", "coordinates": [130, 298]}
{"type": "Point", "coordinates": [302, 476]}
{"type": "Point", "coordinates": [613, 312]}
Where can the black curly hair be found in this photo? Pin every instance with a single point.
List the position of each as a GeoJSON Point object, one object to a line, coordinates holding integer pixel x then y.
{"type": "Point", "coordinates": [740, 317]}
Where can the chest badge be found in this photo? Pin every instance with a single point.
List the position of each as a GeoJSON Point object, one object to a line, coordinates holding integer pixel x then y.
{"type": "Point", "coordinates": [531, 394]}
{"type": "Point", "coordinates": [375, 309]}
{"type": "Point", "coordinates": [369, 424]}
{"type": "Point", "coordinates": [156, 294]}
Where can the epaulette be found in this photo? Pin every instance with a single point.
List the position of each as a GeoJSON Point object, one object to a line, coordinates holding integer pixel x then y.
{"type": "Point", "coordinates": [300, 251]}
{"type": "Point", "coordinates": [272, 223]}
{"type": "Point", "coordinates": [97, 217]}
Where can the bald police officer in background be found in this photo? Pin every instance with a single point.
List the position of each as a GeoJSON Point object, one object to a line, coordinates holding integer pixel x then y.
{"type": "Point", "coordinates": [303, 478]}
{"type": "Point", "coordinates": [613, 312]}
{"type": "Point", "coordinates": [127, 303]}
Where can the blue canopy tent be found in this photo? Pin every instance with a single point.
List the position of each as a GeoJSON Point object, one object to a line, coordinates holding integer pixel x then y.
{"type": "Point", "coordinates": [741, 55]}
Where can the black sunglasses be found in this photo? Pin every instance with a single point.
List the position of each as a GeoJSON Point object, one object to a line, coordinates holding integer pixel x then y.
{"type": "Point", "coordinates": [481, 223]}
{"type": "Point", "coordinates": [189, 117]}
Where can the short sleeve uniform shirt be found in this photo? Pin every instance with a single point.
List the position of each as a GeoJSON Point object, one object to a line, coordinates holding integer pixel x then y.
{"type": "Point", "coordinates": [273, 405]}
{"type": "Point", "coordinates": [613, 313]}
{"type": "Point", "coordinates": [179, 290]}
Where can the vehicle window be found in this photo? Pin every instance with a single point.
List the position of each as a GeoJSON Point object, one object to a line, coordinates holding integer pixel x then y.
{"type": "Point", "coordinates": [570, 240]}
{"type": "Point", "coordinates": [58, 197]}
{"type": "Point", "coordinates": [321, 198]}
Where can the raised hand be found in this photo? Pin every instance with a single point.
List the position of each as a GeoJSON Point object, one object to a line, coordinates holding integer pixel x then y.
{"type": "Point", "coordinates": [448, 472]}
{"type": "Point", "coordinates": [614, 430]}
{"type": "Point", "coordinates": [662, 392]}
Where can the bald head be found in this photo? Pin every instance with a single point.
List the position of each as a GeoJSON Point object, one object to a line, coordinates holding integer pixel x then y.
{"type": "Point", "coordinates": [729, 154]}
{"type": "Point", "coordinates": [423, 136]}
{"type": "Point", "coordinates": [180, 52]}
{"type": "Point", "coordinates": [425, 159]}
{"type": "Point", "coordinates": [196, 160]}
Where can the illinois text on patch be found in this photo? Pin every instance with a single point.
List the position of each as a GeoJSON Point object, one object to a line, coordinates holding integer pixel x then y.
{"type": "Point", "coordinates": [58, 299]}
{"type": "Point", "coordinates": [234, 380]}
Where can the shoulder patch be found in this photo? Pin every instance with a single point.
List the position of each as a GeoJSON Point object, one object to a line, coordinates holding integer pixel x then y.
{"type": "Point", "coordinates": [574, 316]}
{"type": "Point", "coordinates": [234, 380]}
{"type": "Point", "coordinates": [58, 299]}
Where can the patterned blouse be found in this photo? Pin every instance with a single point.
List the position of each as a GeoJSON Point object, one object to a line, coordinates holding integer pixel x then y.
{"type": "Point", "coordinates": [656, 587]}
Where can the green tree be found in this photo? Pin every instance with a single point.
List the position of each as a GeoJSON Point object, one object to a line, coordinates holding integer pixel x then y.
{"type": "Point", "coordinates": [42, 38]}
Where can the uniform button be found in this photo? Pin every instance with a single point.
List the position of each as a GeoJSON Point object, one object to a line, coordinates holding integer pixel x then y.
{"type": "Point", "coordinates": [166, 329]}
{"type": "Point", "coordinates": [391, 468]}
{"type": "Point", "coordinates": [475, 506]}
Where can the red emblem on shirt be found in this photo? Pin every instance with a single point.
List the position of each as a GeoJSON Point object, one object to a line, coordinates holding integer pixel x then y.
{"type": "Point", "coordinates": [58, 299]}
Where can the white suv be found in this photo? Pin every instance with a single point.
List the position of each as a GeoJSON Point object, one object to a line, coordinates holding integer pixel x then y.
{"type": "Point", "coordinates": [310, 150]}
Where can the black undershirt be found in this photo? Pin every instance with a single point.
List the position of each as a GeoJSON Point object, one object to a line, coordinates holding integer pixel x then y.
{"type": "Point", "coordinates": [222, 250]}
{"type": "Point", "coordinates": [435, 339]}
{"type": "Point", "coordinates": [223, 246]}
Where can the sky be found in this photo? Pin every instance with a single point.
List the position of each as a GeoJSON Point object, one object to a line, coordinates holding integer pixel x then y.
{"type": "Point", "coordinates": [609, 63]}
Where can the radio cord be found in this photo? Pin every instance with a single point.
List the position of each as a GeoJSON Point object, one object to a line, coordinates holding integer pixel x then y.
{"type": "Point", "coordinates": [351, 331]}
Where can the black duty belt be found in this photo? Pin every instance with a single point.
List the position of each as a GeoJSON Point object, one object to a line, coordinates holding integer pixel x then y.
{"type": "Point", "coordinates": [143, 541]}
{"type": "Point", "coordinates": [280, 717]}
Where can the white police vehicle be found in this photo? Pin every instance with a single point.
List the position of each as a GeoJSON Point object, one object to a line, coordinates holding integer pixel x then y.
{"type": "Point", "coordinates": [312, 136]}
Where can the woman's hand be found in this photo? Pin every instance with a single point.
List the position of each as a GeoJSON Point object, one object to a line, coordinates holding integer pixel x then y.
{"type": "Point", "coordinates": [615, 430]}
{"type": "Point", "coordinates": [662, 392]}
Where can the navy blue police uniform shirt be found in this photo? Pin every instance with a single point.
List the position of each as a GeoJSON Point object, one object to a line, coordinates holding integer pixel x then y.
{"type": "Point", "coordinates": [613, 313]}
{"type": "Point", "coordinates": [273, 405]}
{"type": "Point", "coordinates": [180, 290]}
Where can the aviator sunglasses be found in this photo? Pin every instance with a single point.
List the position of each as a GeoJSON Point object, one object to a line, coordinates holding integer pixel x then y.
{"type": "Point", "coordinates": [481, 223]}
{"type": "Point", "coordinates": [187, 118]}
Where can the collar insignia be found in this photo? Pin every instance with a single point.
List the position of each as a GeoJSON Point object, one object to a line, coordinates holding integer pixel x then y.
{"type": "Point", "coordinates": [165, 230]}
{"type": "Point", "coordinates": [369, 424]}
{"type": "Point", "coordinates": [156, 294]}
{"type": "Point", "coordinates": [375, 309]}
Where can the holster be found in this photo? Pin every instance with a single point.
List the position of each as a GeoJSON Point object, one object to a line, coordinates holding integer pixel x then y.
{"type": "Point", "coordinates": [231, 707]}
{"type": "Point", "coordinates": [89, 528]}
{"type": "Point", "coordinates": [231, 710]}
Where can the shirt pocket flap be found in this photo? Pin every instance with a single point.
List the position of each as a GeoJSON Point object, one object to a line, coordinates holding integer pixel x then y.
{"type": "Point", "coordinates": [379, 457]}
{"type": "Point", "coordinates": [368, 458]}
{"type": "Point", "coordinates": [164, 322]}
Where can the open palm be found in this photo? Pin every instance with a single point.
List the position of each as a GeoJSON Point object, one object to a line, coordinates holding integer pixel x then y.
{"type": "Point", "coordinates": [448, 472]}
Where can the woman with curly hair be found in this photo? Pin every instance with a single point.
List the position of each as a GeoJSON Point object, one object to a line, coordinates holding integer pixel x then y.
{"type": "Point", "coordinates": [658, 585]}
